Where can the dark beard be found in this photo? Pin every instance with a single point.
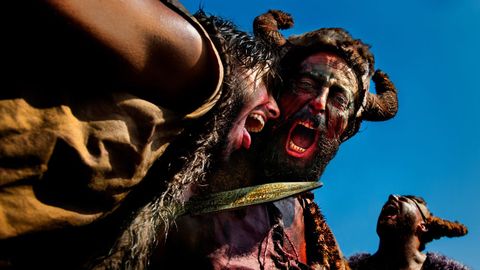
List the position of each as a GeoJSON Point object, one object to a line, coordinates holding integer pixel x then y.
{"type": "Point", "coordinates": [402, 228]}
{"type": "Point", "coordinates": [278, 166]}
{"type": "Point", "coordinates": [186, 163]}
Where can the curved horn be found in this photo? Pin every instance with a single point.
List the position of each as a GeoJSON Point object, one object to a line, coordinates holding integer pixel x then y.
{"type": "Point", "coordinates": [383, 105]}
{"type": "Point", "coordinates": [267, 26]}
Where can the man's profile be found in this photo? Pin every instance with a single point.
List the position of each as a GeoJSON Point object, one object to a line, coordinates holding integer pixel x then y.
{"type": "Point", "coordinates": [405, 226]}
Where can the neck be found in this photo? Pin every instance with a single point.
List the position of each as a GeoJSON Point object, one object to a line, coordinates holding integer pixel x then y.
{"type": "Point", "coordinates": [236, 172]}
{"type": "Point", "coordinates": [402, 254]}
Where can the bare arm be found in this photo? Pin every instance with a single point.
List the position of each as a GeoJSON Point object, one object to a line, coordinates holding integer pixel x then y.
{"type": "Point", "coordinates": [166, 54]}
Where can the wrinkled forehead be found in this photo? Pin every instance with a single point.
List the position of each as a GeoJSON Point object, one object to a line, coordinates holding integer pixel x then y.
{"type": "Point", "coordinates": [326, 59]}
{"type": "Point", "coordinates": [330, 65]}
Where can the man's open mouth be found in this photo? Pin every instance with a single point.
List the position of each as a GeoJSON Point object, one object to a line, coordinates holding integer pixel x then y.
{"type": "Point", "coordinates": [390, 211]}
{"type": "Point", "coordinates": [301, 139]}
{"type": "Point", "coordinates": [255, 122]}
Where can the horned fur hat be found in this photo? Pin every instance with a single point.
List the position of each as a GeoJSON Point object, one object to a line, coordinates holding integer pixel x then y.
{"type": "Point", "coordinates": [369, 106]}
{"type": "Point", "coordinates": [436, 227]}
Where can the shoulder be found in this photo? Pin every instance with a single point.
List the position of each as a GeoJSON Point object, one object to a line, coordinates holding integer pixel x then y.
{"type": "Point", "coordinates": [193, 74]}
{"type": "Point", "coordinates": [439, 261]}
{"type": "Point", "coordinates": [359, 260]}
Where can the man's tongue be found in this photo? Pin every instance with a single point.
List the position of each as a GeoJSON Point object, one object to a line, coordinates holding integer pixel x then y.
{"type": "Point", "coordinates": [247, 140]}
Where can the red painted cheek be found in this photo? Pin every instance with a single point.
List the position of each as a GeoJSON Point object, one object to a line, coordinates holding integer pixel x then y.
{"type": "Point", "coordinates": [337, 121]}
{"type": "Point", "coordinates": [291, 103]}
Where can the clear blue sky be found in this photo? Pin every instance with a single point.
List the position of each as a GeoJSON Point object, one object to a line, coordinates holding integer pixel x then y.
{"type": "Point", "coordinates": [431, 149]}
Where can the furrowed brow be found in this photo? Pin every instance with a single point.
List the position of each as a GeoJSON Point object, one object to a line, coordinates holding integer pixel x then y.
{"type": "Point", "coordinates": [318, 77]}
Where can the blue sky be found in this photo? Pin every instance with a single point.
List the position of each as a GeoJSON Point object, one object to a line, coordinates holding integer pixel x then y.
{"type": "Point", "coordinates": [431, 149]}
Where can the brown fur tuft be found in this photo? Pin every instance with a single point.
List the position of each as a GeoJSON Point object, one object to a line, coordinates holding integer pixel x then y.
{"type": "Point", "coordinates": [322, 248]}
{"type": "Point", "coordinates": [267, 26]}
{"type": "Point", "coordinates": [284, 20]}
{"type": "Point", "coordinates": [438, 228]}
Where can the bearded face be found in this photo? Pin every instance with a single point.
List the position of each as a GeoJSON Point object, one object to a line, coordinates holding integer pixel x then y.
{"type": "Point", "coordinates": [315, 109]}
{"type": "Point", "coordinates": [258, 107]}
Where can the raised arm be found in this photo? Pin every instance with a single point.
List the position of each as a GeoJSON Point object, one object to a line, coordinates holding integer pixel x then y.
{"type": "Point", "coordinates": [169, 59]}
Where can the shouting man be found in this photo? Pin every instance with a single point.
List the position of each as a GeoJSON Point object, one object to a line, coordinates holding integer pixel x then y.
{"type": "Point", "coordinates": [324, 98]}
{"type": "Point", "coordinates": [327, 75]}
{"type": "Point", "coordinates": [405, 226]}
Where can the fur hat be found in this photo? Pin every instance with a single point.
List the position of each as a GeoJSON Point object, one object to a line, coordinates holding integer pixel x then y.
{"type": "Point", "coordinates": [436, 227]}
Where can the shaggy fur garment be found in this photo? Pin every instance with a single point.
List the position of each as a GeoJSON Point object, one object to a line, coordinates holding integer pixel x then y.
{"type": "Point", "coordinates": [434, 261]}
{"type": "Point", "coordinates": [322, 248]}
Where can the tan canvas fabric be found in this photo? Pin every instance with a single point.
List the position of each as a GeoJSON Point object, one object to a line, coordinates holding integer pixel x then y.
{"type": "Point", "coordinates": [72, 161]}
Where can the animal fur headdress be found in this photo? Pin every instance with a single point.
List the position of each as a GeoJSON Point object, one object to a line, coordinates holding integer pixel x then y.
{"type": "Point", "coordinates": [368, 106]}
{"type": "Point", "coordinates": [436, 227]}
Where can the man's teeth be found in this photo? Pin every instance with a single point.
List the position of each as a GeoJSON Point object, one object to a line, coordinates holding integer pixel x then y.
{"type": "Point", "coordinates": [296, 148]}
{"type": "Point", "coordinates": [306, 124]}
{"type": "Point", "coordinates": [292, 145]}
{"type": "Point", "coordinates": [260, 123]}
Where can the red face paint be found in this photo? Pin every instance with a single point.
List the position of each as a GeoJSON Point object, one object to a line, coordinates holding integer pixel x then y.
{"type": "Point", "coordinates": [259, 106]}
{"type": "Point", "coordinates": [318, 103]}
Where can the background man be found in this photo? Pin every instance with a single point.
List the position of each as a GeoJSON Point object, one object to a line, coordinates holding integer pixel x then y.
{"type": "Point", "coordinates": [405, 226]}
